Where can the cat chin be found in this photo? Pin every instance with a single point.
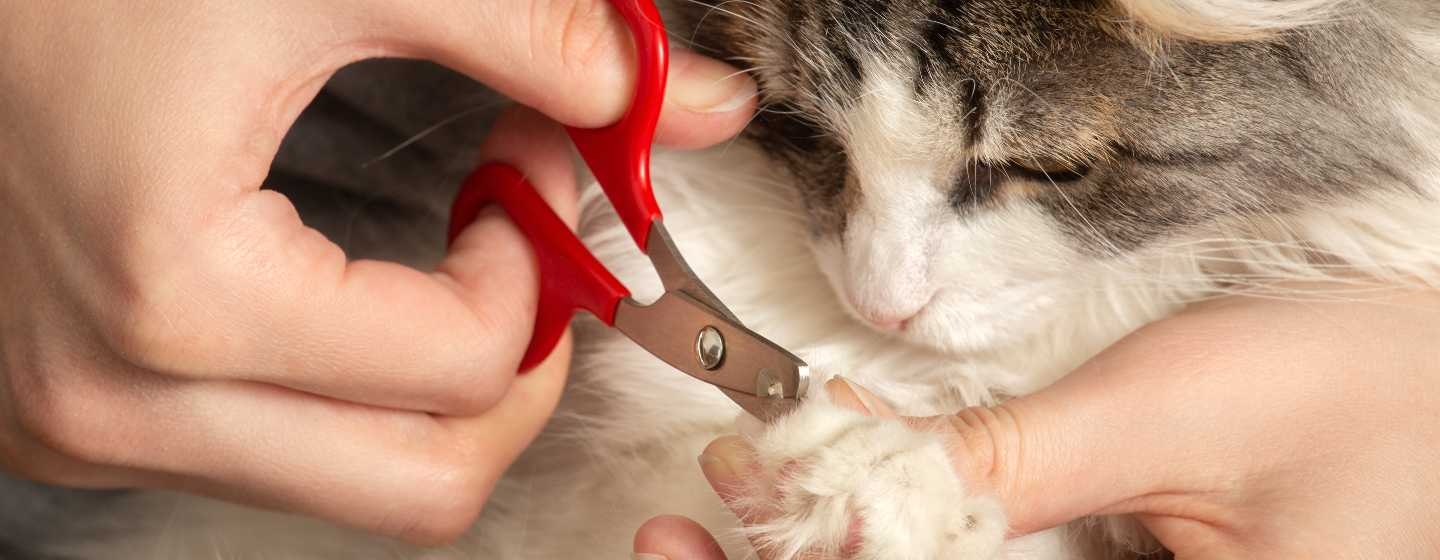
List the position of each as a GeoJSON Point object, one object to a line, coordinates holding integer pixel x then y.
{"type": "Point", "coordinates": [964, 323]}
{"type": "Point", "coordinates": [961, 325]}
{"type": "Point", "coordinates": [977, 311]}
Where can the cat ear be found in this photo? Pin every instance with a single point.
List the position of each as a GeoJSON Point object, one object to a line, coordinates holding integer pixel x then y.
{"type": "Point", "coordinates": [1152, 22]}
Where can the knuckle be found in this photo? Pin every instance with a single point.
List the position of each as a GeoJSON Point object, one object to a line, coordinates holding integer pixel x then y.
{"type": "Point", "coordinates": [508, 324]}
{"type": "Point", "coordinates": [475, 381]}
{"type": "Point", "coordinates": [149, 327]}
{"type": "Point", "coordinates": [20, 459]}
{"type": "Point", "coordinates": [56, 410]}
{"type": "Point", "coordinates": [586, 32]}
{"type": "Point", "coordinates": [477, 389]}
{"type": "Point", "coordinates": [478, 394]}
{"type": "Point", "coordinates": [981, 437]}
{"type": "Point", "coordinates": [454, 493]}
{"type": "Point", "coordinates": [66, 424]}
{"type": "Point", "coordinates": [25, 461]}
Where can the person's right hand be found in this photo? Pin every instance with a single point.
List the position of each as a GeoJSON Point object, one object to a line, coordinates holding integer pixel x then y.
{"type": "Point", "coordinates": [166, 323]}
{"type": "Point", "coordinates": [1241, 428]}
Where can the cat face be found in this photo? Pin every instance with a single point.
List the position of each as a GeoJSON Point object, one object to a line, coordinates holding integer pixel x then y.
{"type": "Point", "coordinates": [969, 165]}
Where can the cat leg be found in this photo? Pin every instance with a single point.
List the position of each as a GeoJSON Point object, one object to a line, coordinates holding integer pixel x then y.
{"type": "Point", "coordinates": [830, 482]}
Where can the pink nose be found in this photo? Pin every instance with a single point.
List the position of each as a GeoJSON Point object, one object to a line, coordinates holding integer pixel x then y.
{"type": "Point", "coordinates": [896, 326]}
{"type": "Point", "coordinates": [888, 321]}
{"type": "Point", "coordinates": [887, 314]}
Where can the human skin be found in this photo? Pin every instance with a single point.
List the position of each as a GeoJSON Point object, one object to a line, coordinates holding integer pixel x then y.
{"type": "Point", "coordinates": [165, 323]}
{"type": "Point", "coordinates": [1241, 428]}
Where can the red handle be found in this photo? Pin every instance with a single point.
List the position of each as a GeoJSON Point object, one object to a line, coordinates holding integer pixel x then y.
{"type": "Point", "coordinates": [570, 277]}
{"type": "Point", "coordinates": [619, 154]}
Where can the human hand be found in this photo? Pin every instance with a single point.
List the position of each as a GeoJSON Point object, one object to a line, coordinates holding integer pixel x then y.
{"type": "Point", "coordinates": [165, 323]}
{"type": "Point", "coordinates": [1242, 428]}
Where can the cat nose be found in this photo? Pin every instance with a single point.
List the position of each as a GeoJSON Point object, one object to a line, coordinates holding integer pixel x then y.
{"type": "Point", "coordinates": [887, 298]}
{"type": "Point", "coordinates": [889, 324]}
{"type": "Point", "coordinates": [886, 272]}
{"type": "Point", "coordinates": [886, 318]}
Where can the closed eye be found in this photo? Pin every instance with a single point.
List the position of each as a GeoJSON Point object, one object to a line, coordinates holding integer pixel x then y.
{"type": "Point", "coordinates": [1048, 170]}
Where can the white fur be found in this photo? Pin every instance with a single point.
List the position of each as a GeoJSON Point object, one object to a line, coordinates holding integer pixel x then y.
{"type": "Point", "coordinates": [907, 256]}
{"type": "Point", "coordinates": [890, 241]}
{"type": "Point", "coordinates": [825, 468]}
{"type": "Point", "coordinates": [1229, 20]}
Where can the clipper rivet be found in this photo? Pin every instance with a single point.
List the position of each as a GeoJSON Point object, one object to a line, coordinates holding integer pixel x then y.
{"type": "Point", "coordinates": [767, 386]}
{"type": "Point", "coordinates": [710, 348]}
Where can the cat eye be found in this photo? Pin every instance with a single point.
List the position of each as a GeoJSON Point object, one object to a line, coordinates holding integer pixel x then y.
{"type": "Point", "coordinates": [1049, 170]}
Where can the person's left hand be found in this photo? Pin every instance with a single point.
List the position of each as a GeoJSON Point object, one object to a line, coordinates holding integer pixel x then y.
{"type": "Point", "coordinates": [1240, 428]}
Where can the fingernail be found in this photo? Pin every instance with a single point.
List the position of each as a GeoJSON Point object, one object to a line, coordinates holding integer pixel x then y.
{"type": "Point", "coordinates": [849, 395]}
{"type": "Point", "coordinates": [647, 556]}
{"type": "Point", "coordinates": [724, 459]}
{"type": "Point", "coordinates": [706, 85]}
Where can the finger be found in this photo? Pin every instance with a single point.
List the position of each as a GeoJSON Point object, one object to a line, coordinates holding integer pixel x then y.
{"type": "Point", "coordinates": [539, 146]}
{"type": "Point", "coordinates": [730, 467]}
{"type": "Point", "coordinates": [1155, 420]}
{"type": "Point", "coordinates": [264, 298]}
{"type": "Point", "coordinates": [706, 101]}
{"type": "Point", "coordinates": [258, 444]}
{"type": "Point", "coordinates": [542, 52]}
{"type": "Point", "coordinates": [728, 463]}
{"type": "Point", "coordinates": [414, 476]}
{"type": "Point", "coordinates": [494, 440]}
{"type": "Point", "coordinates": [32, 460]}
{"type": "Point", "coordinates": [852, 396]}
{"type": "Point", "coordinates": [1067, 436]}
{"type": "Point", "coordinates": [675, 538]}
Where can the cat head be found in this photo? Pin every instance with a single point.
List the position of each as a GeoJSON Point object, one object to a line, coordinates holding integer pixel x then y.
{"type": "Point", "coordinates": [968, 164]}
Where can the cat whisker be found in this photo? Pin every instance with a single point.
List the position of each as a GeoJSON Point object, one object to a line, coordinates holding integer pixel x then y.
{"type": "Point", "coordinates": [720, 8]}
{"type": "Point", "coordinates": [732, 141]}
{"type": "Point", "coordinates": [1027, 89]}
{"type": "Point", "coordinates": [1098, 236]}
{"type": "Point", "coordinates": [943, 24]}
{"type": "Point", "coordinates": [431, 130]}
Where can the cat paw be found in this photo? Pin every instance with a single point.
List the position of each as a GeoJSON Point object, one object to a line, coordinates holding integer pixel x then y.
{"type": "Point", "coordinates": [829, 482]}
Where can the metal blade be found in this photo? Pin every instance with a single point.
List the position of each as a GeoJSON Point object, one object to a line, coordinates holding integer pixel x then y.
{"type": "Point", "coordinates": [766, 409]}
{"type": "Point", "coordinates": [675, 273]}
{"type": "Point", "coordinates": [759, 375]}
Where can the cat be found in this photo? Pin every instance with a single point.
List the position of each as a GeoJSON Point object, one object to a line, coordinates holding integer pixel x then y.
{"type": "Point", "coordinates": [949, 202]}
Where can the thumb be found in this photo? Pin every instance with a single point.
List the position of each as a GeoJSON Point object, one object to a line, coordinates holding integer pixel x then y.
{"type": "Point", "coordinates": [569, 59]}
{"type": "Point", "coordinates": [994, 454]}
{"type": "Point", "coordinates": [675, 538]}
{"type": "Point", "coordinates": [1128, 432]}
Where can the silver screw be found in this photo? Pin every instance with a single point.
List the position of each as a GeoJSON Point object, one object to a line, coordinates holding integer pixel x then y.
{"type": "Point", "coordinates": [710, 348]}
{"type": "Point", "coordinates": [767, 386]}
